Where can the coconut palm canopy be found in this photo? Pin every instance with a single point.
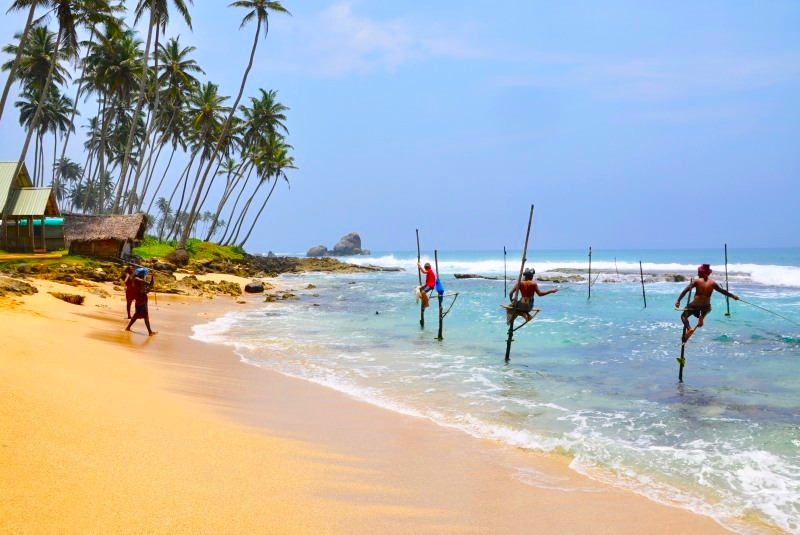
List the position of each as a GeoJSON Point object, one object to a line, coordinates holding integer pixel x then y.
{"type": "Point", "coordinates": [84, 227]}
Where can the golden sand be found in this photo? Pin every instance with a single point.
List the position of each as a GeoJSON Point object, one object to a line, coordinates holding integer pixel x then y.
{"type": "Point", "coordinates": [103, 431]}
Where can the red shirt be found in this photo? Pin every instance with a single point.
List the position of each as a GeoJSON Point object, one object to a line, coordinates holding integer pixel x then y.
{"type": "Point", "coordinates": [430, 278]}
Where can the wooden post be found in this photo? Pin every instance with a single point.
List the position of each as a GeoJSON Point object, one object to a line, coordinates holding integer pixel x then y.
{"type": "Point", "coordinates": [616, 268]}
{"type": "Point", "coordinates": [441, 314]}
{"type": "Point", "coordinates": [682, 359]}
{"type": "Point", "coordinates": [419, 276]}
{"type": "Point", "coordinates": [505, 274]}
{"type": "Point", "coordinates": [641, 273]}
{"type": "Point", "coordinates": [590, 272]}
{"type": "Point", "coordinates": [727, 299]}
{"type": "Point", "coordinates": [519, 279]}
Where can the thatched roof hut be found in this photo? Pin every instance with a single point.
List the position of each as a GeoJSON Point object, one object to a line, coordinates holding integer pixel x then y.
{"type": "Point", "coordinates": [103, 235]}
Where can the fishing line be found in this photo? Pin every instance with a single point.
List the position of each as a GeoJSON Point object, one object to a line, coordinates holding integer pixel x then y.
{"type": "Point", "coordinates": [770, 311]}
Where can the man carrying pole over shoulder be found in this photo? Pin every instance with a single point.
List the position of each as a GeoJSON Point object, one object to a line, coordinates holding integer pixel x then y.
{"type": "Point", "coordinates": [527, 287]}
{"type": "Point", "coordinates": [701, 305]}
{"type": "Point", "coordinates": [430, 282]}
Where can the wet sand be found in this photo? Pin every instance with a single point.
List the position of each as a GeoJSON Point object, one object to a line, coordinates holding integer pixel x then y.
{"type": "Point", "coordinates": [107, 431]}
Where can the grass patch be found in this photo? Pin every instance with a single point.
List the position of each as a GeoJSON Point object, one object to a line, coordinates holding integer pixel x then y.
{"type": "Point", "coordinates": [197, 249]}
{"type": "Point", "coordinates": [70, 261]}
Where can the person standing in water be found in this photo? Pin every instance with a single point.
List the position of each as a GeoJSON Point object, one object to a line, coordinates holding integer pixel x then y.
{"type": "Point", "coordinates": [701, 305]}
{"type": "Point", "coordinates": [527, 287]}
{"type": "Point", "coordinates": [143, 287]}
{"type": "Point", "coordinates": [430, 283]}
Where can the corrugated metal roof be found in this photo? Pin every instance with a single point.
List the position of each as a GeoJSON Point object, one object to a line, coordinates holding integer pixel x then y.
{"type": "Point", "coordinates": [7, 181]}
{"type": "Point", "coordinates": [28, 201]}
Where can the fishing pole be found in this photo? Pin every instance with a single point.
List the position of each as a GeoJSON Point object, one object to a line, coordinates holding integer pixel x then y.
{"type": "Point", "coordinates": [770, 311]}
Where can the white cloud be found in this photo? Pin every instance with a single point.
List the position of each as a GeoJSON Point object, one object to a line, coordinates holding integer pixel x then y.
{"type": "Point", "coordinates": [338, 41]}
{"type": "Point", "coordinates": [658, 78]}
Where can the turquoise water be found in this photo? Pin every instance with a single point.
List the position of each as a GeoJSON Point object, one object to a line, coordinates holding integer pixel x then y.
{"type": "Point", "coordinates": [593, 379]}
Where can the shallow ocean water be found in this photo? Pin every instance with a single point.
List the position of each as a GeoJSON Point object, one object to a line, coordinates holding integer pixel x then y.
{"type": "Point", "coordinates": [593, 379]}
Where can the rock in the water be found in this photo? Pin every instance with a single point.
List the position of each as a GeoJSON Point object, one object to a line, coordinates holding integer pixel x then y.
{"type": "Point", "coordinates": [348, 245]}
{"type": "Point", "coordinates": [270, 254]}
{"type": "Point", "coordinates": [473, 276]}
{"type": "Point", "coordinates": [254, 287]}
{"type": "Point", "coordinates": [317, 250]}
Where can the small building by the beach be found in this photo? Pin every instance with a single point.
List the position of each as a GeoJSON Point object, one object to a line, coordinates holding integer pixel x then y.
{"type": "Point", "coordinates": [30, 221]}
{"type": "Point", "coordinates": [106, 236]}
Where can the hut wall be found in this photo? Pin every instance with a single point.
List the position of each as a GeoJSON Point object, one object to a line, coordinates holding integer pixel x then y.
{"type": "Point", "coordinates": [101, 248]}
{"type": "Point", "coordinates": [54, 237]}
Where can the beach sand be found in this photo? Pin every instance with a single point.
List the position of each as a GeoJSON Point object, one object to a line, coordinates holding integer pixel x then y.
{"type": "Point", "coordinates": [104, 431]}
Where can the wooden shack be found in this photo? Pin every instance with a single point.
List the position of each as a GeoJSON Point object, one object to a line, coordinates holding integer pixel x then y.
{"type": "Point", "coordinates": [24, 211]}
{"type": "Point", "coordinates": [106, 236]}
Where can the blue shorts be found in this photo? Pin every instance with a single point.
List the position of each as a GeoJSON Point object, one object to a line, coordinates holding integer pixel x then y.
{"type": "Point", "coordinates": [141, 310]}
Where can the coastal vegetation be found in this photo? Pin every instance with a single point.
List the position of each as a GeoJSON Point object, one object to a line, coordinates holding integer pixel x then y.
{"type": "Point", "coordinates": [158, 135]}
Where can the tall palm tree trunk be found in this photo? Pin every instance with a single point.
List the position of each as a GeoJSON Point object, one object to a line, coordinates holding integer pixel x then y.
{"type": "Point", "coordinates": [221, 140]}
{"type": "Point", "coordinates": [137, 111]}
{"type": "Point", "coordinates": [183, 178]}
{"type": "Point", "coordinates": [149, 130]}
{"type": "Point", "coordinates": [77, 97]}
{"type": "Point", "coordinates": [230, 227]}
{"type": "Point", "coordinates": [23, 40]}
{"type": "Point", "coordinates": [258, 215]}
{"type": "Point", "coordinates": [229, 187]}
{"type": "Point", "coordinates": [149, 174]}
{"type": "Point", "coordinates": [40, 105]}
{"type": "Point", "coordinates": [240, 220]}
{"type": "Point", "coordinates": [160, 182]}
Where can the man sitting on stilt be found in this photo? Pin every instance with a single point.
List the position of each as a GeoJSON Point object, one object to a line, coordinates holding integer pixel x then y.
{"type": "Point", "coordinates": [527, 287]}
{"type": "Point", "coordinates": [701, 305]}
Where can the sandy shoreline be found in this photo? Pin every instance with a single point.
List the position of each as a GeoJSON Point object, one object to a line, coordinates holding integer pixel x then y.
{"type": "Point", "coordinates": [117, 432]}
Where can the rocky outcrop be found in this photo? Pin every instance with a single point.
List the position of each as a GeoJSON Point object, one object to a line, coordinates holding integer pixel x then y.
{"type": "Point", "coordinates": [348, 245]}
{"type": "Point", "coordinates": [15, 287]}
{"type": "Point", "coordinates": [473, 276]}
{"type": "Point", "coordinates": [317, 251]}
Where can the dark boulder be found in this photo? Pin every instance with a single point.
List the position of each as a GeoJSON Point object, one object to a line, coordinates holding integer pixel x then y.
{"type": "Point", "coordinates": [254, 287]}
{"type": "Point", "coordinates": [473, 276]}
{"type": "Point", "coordinates": [316, 251]}
{"type": "Point", "coordinates": [349, 245]}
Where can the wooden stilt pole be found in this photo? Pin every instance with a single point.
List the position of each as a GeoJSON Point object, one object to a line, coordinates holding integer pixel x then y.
{"type": "Point", "coordinates": [641, 274]}
{"type": "Point", "coordinates": [590, 272]}
{"type": "Point", "coordinates": [441, 314]}
{"type": "Point", "coordinates": [505, 274]}
{"type": "Point", "coordinates": [727, 299]}
{"type": "Point", "coordinates": [519, 279]}
{"type": "Point", "coordinates": [419, 276]}
{"type": "Point", "coordinates": [682, 359]}
{"type": "Point", "coordinates": [615, 266]}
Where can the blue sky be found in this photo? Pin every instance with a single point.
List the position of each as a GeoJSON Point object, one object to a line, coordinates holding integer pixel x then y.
{"type": "Point", "coordinates": [629, 124]}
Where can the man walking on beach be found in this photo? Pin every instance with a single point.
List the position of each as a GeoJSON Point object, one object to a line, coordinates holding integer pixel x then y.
{"type": "Point", "coordinates": [526, 287]}
{"type": "Point", "coordinates": [130, 289]}
{"type": "Point", "coordinates": [701, 305]}
{"type": "Point", "coordinates": [430, 283]}
{"type": "Point", "coordinates": [142, 286]}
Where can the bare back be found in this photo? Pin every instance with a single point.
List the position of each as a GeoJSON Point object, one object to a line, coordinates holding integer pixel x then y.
{"type": "Point", "coordinates": [703, 288]}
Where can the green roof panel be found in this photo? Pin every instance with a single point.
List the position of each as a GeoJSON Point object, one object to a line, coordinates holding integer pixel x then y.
{"type": "Point", "coordinates": [7, 181]}
{"type": "Point", "coordinates": [28, 201]}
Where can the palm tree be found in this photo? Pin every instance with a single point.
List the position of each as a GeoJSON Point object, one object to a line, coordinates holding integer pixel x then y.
{"type": "Point", "coordinates": [93, 19]}
{"type": "Point", "coordinates": [112, 72]}
{"type": "Point", "coordinates": [258, 10]}
{"type": "Point", "coordinates": [278, 161]}
{"type": "Point", "coordinates": [176, 81]}
{"type": "Point", "coordinates": [23, 40]}
{"type": "Point", "coordinates": [69, 14]}
{"type": "Point", "coordinates": [159, 17]}
{"type": "Point", "coordinates": [65, 172]}
{"type": "Point", "coordinates": [34, 58]}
